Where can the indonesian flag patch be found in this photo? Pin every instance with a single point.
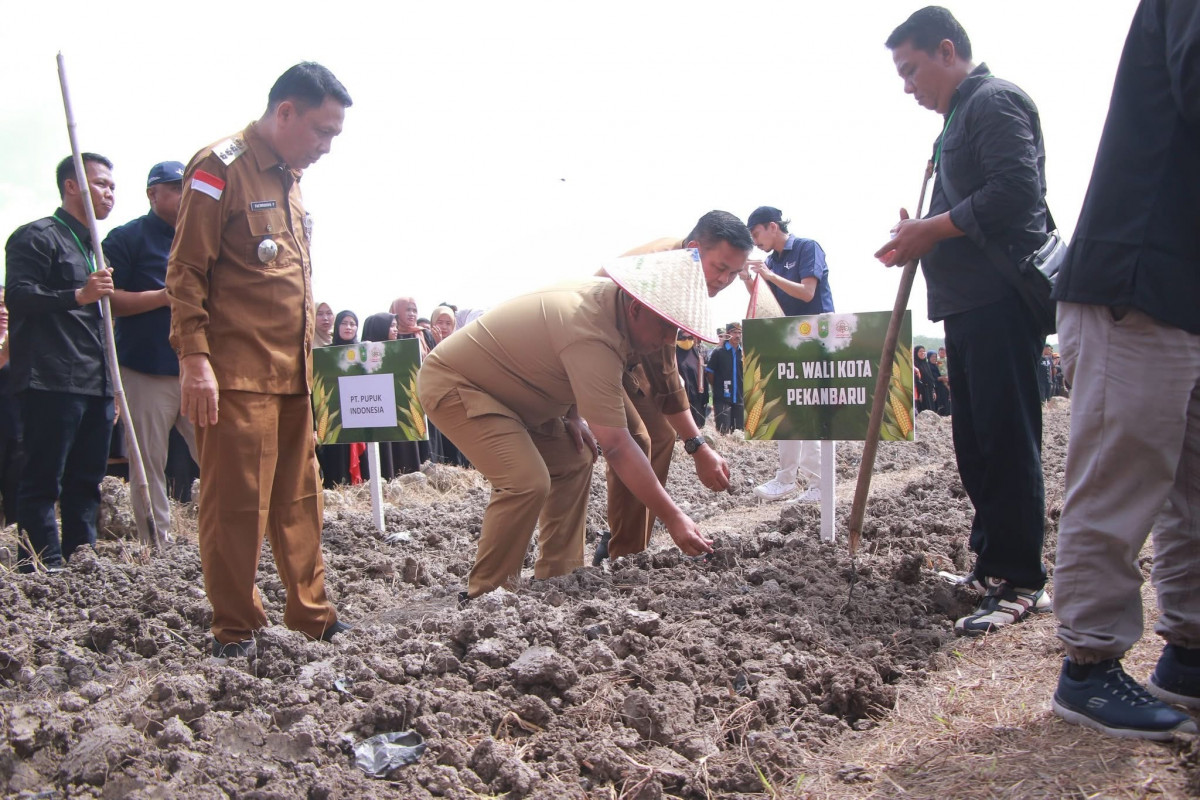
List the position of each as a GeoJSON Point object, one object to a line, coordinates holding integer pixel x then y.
{"type": "Point", "coordinates": [208, 183]}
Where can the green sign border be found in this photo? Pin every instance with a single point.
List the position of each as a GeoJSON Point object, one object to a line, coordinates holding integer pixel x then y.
{"type": "Point", "coordinates": [401, 359]}
{"type": "Point", "coordinates": [774, 341]}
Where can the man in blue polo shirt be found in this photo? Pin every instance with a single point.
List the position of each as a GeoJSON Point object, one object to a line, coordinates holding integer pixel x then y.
{"type": "Point", "coordinates": [796, 272]}
{"type": "Point", "coordinates": [137, 253]}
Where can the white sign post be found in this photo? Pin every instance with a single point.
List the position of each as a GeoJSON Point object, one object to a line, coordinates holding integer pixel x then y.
{"type": "Point", "coordinates": [376, 485]}
{"type": "Point", "coordinates": [369, 401]}
{"type": "Point", "coordinates": [828, 501]}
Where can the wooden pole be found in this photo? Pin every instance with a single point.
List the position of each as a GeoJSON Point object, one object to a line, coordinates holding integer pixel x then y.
{"type": "Point", "coordinates": [149, 534]}
{"type": "Point", "coordinates": [883, 378]}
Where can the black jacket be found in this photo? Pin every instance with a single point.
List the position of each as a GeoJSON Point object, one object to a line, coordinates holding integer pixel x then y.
{"type": "Point", "coordinates": [1137, 242]}
{"type": "Point", "coordinates": [725, 366]}
{"type": "Point", "coordinates": [57, 345]}
{"type": "Point", "coordinates": [991, 152]}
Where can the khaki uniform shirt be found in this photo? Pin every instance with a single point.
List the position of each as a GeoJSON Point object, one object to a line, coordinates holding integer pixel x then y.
{"type": "Point", "coordinates": [256, 320]}
{"type": "Point", "coordinates": [537, 355]}
{"type": "Point", "coordinates": [657, 374]}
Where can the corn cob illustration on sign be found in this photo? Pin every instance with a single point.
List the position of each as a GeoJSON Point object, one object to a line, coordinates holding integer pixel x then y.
{"type": "Point", "coordinates": [812, 378]}
{"type": "Point", "coordinates": [367, 393]}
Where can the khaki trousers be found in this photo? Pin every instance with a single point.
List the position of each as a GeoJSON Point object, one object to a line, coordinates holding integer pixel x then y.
{"type": "Point", "coordinates": [154, 407]}
{"type": "Point", "coordinates": [630, 522]}
{"type": "Point", "coordinates": [1133, 467]}
{"type": "Point", "coordinates": [259, 477]}
{"type": "Point", "coordinates": [538, 478]}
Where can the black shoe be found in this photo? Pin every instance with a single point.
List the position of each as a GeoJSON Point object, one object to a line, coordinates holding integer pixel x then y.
{"type": "Point", "coordinates": [601, 548]}
{"type": "Point", "coordinates": [223, 652]}
{"type": "Point", "coordinates": [1175, 682]}
{"type": "Point", "coordinates": [1110, 701]}
{"type": "Point", "coordinates": [334, 629]}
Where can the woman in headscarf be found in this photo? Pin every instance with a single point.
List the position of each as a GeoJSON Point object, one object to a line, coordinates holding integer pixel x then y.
{"type": "Point", "coordinates": [927, 380]}
{"type": "Point", "coordinates": [405, 309]}
{"type": "Point", "coordinates": [339, 462]}
{"type": "Point", "coordinates": [442, 323]}
{"type": "Point", "coordinates": [345, 328]}
{"type": "Point", "coordinates": [441, 449]}
{"type": "Point", "coordinates": [324, 336]}
{"type": "Point", "coordinates": [409, 456]}
{"type": "Point", "coordinates": [380, 328]}
{"type": "Point", "coordinates": [941, 387]}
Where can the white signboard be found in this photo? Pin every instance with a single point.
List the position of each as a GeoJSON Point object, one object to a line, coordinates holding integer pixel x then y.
{"type": "Point", "coordinates": [368, 401]}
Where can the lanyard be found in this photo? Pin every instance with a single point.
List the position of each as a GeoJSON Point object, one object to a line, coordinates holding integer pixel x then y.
{"type": "Point", "coordinates": [937, 157]}
{"type": "Point", "coordinates": [87, 257]}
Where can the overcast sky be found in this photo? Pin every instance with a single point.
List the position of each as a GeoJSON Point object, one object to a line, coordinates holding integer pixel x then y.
{"type": "Point", "coordinates": [497, 147]}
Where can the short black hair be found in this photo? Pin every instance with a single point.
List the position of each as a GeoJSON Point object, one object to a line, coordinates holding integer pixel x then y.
{"type": "Point", "coordinates": [66, 170]}
{"type": "Point", "coordinates": [721, 226]}
{"type": "Point", "coordinates": [307, 85]}
{"type": "Point", "coordinates": [926, 29]}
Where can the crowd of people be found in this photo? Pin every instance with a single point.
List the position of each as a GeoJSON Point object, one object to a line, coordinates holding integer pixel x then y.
{"type": "Point", "coordinates": [533, 390]}
{"type": "Point", "coordinates": [349, 463]}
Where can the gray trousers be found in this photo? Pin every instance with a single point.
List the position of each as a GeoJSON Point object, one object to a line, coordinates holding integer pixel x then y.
{"type": "Point", "coordinates": [154, 406]}
{"type": "Point", "coordinates": [1133, 468]}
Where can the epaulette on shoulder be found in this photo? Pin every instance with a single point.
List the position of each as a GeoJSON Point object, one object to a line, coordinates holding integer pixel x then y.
{"type": "Point", "coordinates": [230, 149]}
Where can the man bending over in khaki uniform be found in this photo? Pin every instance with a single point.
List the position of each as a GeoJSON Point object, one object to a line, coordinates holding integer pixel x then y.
{"type": "Point", "coordinates": [529, 389]}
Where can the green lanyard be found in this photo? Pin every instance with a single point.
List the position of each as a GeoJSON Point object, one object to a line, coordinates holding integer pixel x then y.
{"type": "Point", "coordinates": [938, 155]}
{"type": "Point", "coordinates": [88, 257]}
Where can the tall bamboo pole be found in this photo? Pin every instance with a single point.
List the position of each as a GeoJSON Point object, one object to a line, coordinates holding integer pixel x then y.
{"type": "Point", "coordinates": [149, 534]}
{"type": "Point", "coordinates": [879, 402]}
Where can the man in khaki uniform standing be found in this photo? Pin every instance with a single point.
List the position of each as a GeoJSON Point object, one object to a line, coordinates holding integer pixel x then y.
{"type": "Point", "coordinates": [242, 322]}
{"type": "Point", "coordinates": [656, 402]}
{"type": "Point", "coordinates": [515, 387]}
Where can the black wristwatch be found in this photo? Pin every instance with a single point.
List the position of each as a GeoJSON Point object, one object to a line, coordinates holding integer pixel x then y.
{"type": "Point", "coordinates": [690, 446]}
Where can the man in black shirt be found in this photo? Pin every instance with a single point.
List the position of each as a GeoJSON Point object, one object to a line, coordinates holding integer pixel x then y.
{"type": "Point", "coordinates": [725, 375]}
{"type": "Point", "coordinates": [989, 197]}
{"type": "Point", "coordinates": [58, 368]}
{"type": "Point", "coordinates": [1131, 286]}
{"type": "Point", "coordinates": [1046, 373]}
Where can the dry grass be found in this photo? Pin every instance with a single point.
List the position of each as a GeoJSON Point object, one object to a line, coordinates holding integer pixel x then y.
{"type": "Point", "coordinates": [983, 728]}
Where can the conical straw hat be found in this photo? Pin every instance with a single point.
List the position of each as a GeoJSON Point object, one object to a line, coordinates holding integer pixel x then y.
{"type": "Point", "coordinates": [671, 284]}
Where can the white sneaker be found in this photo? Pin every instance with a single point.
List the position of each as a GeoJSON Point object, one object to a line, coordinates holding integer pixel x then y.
{"type": "Point", "coordinates": [811, 495]}
{"type": "Point", "coordinates": [774, 490]}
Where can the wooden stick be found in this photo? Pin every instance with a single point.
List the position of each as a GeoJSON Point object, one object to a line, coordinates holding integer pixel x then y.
{"type": "Point", "coordinates": [137, 469]}
{"type": "Point", "coordinates": [884, 377]}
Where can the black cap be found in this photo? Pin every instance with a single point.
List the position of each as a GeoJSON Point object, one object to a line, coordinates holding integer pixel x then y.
{"type": "Point", "coordinates": [165, 172]}
{"type": "Point", "coordinates": [764, 215]}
